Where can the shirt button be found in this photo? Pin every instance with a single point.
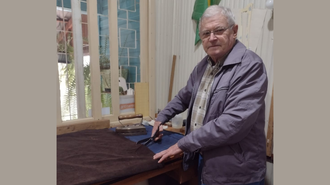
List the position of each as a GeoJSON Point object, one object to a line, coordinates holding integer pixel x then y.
{"type": "Point", "coordinates": [195, 124]}
{"type": "Point", "coordinates": [205, 90]}
{"type": "Point", "coordinates": [200, 107]}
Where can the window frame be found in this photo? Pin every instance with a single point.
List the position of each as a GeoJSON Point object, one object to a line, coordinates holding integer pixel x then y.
{"type": "Point", "coordinates": [147, 61]}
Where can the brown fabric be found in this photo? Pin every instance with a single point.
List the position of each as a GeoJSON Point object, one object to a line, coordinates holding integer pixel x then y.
{"type": "Point", "coordinates": [94, 156]}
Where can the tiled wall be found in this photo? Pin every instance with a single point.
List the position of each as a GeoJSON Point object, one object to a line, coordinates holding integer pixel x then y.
{"type": "Point", "coordinates": [128, 34]}
{"type": "Point", "coordinates": [103, 22]}
{"type": "Point", "coordinates": [67, 4]}
{"type": "Point", "coordinates": [129, 38]}
{"type": "Point", "coordinates": [128, 12]}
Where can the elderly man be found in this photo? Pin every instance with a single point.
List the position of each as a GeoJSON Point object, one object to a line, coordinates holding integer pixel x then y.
{"type": "Point", "coordinates": [224, 96]}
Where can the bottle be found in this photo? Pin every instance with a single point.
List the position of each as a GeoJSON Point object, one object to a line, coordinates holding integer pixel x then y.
{"type": "Point", "coordinates": [177, 121]}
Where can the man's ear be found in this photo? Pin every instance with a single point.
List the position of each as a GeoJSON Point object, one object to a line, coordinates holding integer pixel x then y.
{"type": "Point", "coordinates": [235, 29]}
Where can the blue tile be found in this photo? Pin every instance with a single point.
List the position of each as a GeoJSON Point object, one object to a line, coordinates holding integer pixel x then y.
{"type": "Point", "coordinates": [135, 61]}
{"type": "Point", "coordinates": [135, 15]}
{"type": "Point", "coordinates": [104, 31]}
{"type": "Point", "coordinates": [127, 5]}
{"type": "Point", "coordinates": [83, 6]}
{"type": "Point", "coordinates": [59, 3]}
{"type": "Point", "coordinates": [134, 52]}
{"type": "Point", "coordinates": [104, 56]}
{"type": "Point", "coordinates": [122, 14]}
{"type": "Point", "coordinates": [138, 78]}
{"type": "Point", "coordinates": [133, 25]}
{"type": "Point", "coordinates": [122, 23]}
{"type": "Point", "coordinates": [107, 53]}
{"type": "Point", "coordinates": [127, 38]}
{"type": "Point", "coordinates": [138, 73]}
{"type": "Point", "coordinates": [123, 61]}
{"type": "Point", "coordinates": [104, 45]}
{"type": "Point", "coordinates": [131, 77]}
{"type": "Point", "coordinates": [103, 21]}
{"type": "Point", "coordinates": [132, 71]}
{"type": "Point", "coordinates": [129, 73]}
{"type": "Point", "coordinates": [102, 7]}
{"type": "Point", "coordinates": [67, 4]}
{"type": "Point", "coordinates": [103, 24]}
{"type": "Point", "coordinates": [122, 52]}
{"type": "Point", "coordinates": [138, 38]}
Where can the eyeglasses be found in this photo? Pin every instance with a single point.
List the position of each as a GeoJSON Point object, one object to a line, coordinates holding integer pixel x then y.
{"type": "Point", "coordinates": [217, 32]}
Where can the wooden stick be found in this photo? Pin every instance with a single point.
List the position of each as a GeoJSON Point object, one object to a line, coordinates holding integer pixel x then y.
{"type": "Point", "coordinates": [269, 145]}
{"type": "Point", "coordinates": [95, 124]}
{"type": "Point", "coordinates": [172, 78]}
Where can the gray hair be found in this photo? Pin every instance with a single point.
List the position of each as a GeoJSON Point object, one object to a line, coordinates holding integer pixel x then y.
{"type": "Point", "coordinates": [215, 10]}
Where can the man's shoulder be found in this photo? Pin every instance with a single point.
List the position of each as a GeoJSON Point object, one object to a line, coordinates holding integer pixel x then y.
{"type": "Point", "coordinates": [202, 63]}
{"type": "Point", "coordinates": [247, 55]}
{"type": "Point", "coordinates": [200, 67]}
{"type": "Point", "coordinates": [251, 56]}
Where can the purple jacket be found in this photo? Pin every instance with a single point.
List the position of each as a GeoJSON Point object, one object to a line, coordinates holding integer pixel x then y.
{"type": "Point", "coordinates": [232, 138]}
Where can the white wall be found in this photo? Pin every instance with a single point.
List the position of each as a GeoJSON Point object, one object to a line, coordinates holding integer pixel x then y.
{"type": "Point", "coordinates": [175, 35]}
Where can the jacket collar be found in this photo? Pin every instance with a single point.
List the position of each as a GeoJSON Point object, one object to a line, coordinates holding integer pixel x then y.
{"type": "Point", "coordinates": [236, 54]}
{"type": "Point", "coordinates": [234, 57]}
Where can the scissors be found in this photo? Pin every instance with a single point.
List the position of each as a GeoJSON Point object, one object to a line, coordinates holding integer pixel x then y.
{"type": "Point", "coordinates": [149, 139]}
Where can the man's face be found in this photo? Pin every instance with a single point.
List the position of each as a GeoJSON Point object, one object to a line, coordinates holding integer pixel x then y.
{"type": "Point", "coordinates": [217, 45]}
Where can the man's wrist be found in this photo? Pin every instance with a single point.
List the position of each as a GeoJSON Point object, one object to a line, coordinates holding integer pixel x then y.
{"type": "Point", "coordinates": [159, 123]}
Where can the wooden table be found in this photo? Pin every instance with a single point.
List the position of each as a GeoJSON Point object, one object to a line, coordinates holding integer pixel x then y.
{"type": "Point", "coordinates": [173, 169]}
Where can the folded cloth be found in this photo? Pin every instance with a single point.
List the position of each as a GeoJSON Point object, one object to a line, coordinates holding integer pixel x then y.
{"type": "Point", "coordinates": [94, 156]}
{"type": "Point", "coordinates": [168, 139]}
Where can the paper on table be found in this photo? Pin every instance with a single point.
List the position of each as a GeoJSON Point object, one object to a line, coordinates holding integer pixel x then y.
{"type": "Point", "coordinates": [152, 122]}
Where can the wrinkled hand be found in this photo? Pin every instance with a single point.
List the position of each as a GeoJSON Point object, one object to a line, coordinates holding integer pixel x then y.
{"type": "Point", "coordinates": [169, 153]}
{"type": "Point", "coordinates": [159, 135]}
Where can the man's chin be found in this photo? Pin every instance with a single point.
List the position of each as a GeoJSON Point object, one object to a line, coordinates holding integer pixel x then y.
{"type": "Point", "coordinates": [214, 54]}
{"type": "Point", "coordinates": [214, 49]}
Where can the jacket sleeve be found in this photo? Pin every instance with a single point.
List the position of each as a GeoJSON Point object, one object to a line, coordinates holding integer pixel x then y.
{"type": "Point", "coordinates": [180, 102]}
{"type": "Point", "coordinates": [245, 98]}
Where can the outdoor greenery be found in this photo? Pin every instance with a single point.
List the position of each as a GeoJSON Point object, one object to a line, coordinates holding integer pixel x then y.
{"type": "Point", "coordinates": [67, 72]}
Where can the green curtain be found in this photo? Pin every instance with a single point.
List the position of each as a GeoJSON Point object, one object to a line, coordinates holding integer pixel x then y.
{"type": "Point", "coordinates": [199, 8]}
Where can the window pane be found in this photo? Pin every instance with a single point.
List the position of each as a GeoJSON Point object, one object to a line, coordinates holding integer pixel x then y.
{"type": "Point", "coordinates": [68, 76]}
{"type": "Point", "coordinates": [83, 6]}
{"type": "Point", "coordinates": [129, 40]}
{"type": "Point", "coordinates": [102, 7]}
{"type": "Point", "coordinates": [128, 46]}
{"type": "Point", "coordinates": [104, 53]}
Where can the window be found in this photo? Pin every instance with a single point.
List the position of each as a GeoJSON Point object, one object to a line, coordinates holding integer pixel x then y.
{"type": "Point", "coordinates": [73, 59]}
{"type": "Point", "coordinates": [93, 57]}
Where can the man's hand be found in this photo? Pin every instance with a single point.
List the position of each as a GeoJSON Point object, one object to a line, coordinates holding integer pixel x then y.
{"type": "Point", "coordinates": [159, 135]}
{"type": "Point", "coordinates": [170, 152]}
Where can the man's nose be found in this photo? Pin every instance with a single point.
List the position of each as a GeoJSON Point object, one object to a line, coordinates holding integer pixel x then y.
{"type": "Point", "coordinates": [212, 36]}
